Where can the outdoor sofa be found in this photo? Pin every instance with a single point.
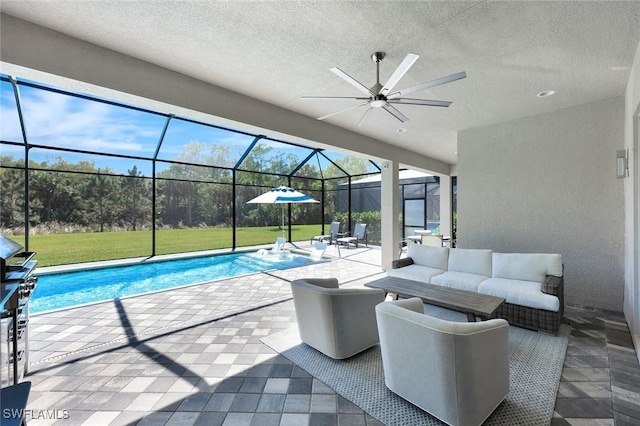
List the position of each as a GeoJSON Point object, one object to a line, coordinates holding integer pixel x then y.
{"type": "Point", "coordinates": [532, 284]}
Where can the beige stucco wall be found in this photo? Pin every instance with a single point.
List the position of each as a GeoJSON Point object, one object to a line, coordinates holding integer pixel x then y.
{"type": "Point", "coordinates": [548, 184]}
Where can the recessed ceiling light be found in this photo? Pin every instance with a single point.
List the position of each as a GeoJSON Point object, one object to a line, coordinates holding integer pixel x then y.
{"type": "Point", "coordinates": [546, 93]}
{"type": "Point", "coordinates": [401, 130]}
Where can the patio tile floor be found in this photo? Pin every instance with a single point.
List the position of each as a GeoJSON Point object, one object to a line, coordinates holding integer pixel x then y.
{"type": "Point", "coordinates": [193, 356]}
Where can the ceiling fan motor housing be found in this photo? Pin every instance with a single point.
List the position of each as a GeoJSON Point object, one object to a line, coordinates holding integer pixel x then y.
{"type": "Point", "coordinates": [379, 100]}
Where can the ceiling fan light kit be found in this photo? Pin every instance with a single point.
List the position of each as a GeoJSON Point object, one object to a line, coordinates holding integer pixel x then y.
{"type": "Point", "coordinates": [381, 96]}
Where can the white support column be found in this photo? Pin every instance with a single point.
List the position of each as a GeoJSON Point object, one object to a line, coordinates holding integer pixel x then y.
{"type": "Point", "coordinates": [390, 211]}
{"type": "Point", "coordinates": [446, 225]}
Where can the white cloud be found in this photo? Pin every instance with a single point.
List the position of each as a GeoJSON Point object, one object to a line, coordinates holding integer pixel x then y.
{"type": "Point", "coordinates": [10, 123]}
{"type": "Point", "coordinates": [53, 119]}
{"type": "Point", "coordinates": [57, 120]}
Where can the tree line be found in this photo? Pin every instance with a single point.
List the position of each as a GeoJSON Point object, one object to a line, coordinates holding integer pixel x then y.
{"type": "Point", "coordinates": [187, 193]}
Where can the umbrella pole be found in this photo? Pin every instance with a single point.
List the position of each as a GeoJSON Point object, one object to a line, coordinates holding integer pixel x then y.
{"type": "Point", "coordinates": [282, 210]}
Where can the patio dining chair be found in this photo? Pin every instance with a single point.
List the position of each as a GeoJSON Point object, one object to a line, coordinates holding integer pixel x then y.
{"type": "Point", "coordinates": [359, 234]}
{"type": "Point", "coordinates": [431, 240]}
{"type": "Point", "coordinates": [334, 230]}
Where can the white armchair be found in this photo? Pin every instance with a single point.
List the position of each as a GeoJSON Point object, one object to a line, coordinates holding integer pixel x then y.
{"type": "Point", "coordinates": [457, 372]}
{"type": "Point", "coordinates": [339, 322]}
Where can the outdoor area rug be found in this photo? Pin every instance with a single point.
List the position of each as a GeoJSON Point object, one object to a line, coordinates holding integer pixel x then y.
{"type": "Point", "coordinates": [535, 361]}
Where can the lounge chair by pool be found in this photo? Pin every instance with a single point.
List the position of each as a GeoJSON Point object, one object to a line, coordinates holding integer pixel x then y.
{"type": "Point", "coordinates": [317, 251]}
{"type": "Point", "coordinates": [278, 247]}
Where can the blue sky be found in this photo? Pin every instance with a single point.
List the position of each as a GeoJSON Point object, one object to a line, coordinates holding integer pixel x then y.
{"type": "Point", "coordinates": [59, 120]}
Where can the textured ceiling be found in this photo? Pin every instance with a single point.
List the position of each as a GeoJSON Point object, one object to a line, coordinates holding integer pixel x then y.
{"type": "Point", "coordinates": [280, 51]}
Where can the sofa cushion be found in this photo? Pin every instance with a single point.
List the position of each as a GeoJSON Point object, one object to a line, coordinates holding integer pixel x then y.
{"type": "Point", "coordinates": [472, 261]}
{"type": "Point", "coordinates": [459, 280]}
{"type": "Point", "coordinates": [518, 292]}
{"type": "Point", "coordinates": [526, 266]}
{"type": "Point", "coordinates": [415, 272]}
{"type": "Point", "coordinates": [433, 257]}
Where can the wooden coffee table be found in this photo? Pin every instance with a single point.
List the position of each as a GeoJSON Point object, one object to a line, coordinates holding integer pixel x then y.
{"type": "Point", "coordinates": [472, 304]}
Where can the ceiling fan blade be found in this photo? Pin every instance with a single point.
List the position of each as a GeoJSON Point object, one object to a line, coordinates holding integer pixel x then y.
{"type": "Point", "coordinates": [402, 69]}
{"type": "Point", "coordinates": [352, 81]}
{"type": "Point", "coordinates": [364, 116]}
{"type": "Point", "coordinates": [409, 101]}
{"type": "Point", "coordinates": [341, 110]}
{"type": "Point", "coordinates": [335, 98]}
{"type": "Point", "coordinates": [393, 111]}
{"type": "Point", "coordinates": [429, 84]}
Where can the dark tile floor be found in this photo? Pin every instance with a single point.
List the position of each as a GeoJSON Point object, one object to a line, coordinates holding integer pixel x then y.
{"type": "Point", "coordinates": [194, 356]}
{"type": "Point", "coordinates": [601, 376]}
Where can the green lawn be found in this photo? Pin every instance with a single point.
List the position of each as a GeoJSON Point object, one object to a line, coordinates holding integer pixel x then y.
{"type": "Point", "coordinates": [62, 249]}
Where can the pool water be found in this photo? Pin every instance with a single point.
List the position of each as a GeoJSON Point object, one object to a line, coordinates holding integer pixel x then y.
{"type": "Point", "coordinates": [62, 290]}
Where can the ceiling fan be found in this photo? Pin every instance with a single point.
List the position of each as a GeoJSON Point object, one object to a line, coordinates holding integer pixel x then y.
{"type": "Point", "coordinates": [383, 96]}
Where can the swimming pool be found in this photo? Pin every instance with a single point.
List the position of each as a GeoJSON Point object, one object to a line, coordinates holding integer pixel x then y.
{"type": "Point", "coordinates": [63, 290]}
